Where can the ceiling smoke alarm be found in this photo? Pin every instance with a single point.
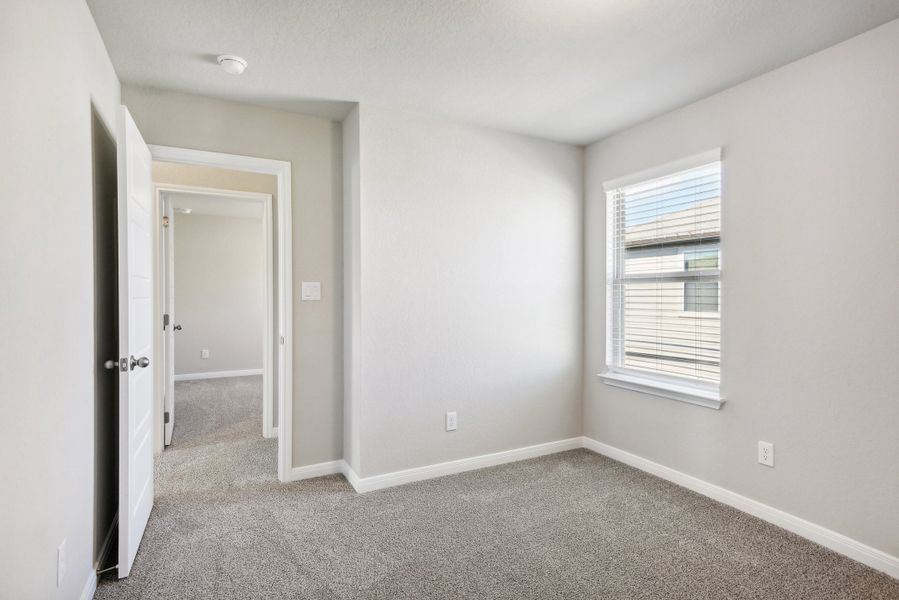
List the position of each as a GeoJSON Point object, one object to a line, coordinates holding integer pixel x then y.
{"type": "Point", "coordinates": [233, 65]}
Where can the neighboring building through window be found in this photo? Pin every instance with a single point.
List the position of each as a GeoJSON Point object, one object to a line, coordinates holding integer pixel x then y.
{"type": "Point", "coordinates": [700, 296]}
{"type": "Point", "coordinates": [664, 276]}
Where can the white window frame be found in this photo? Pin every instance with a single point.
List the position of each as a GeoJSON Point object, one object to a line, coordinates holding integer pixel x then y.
{"type": "Point", "coordinates": [707, 394]}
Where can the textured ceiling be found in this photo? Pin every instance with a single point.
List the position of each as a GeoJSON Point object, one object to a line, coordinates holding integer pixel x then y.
{"type": "Point", "coordinates": [568, 70]}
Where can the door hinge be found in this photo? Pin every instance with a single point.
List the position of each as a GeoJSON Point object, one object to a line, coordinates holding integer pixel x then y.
{"type": "Point", "coordinates": [165, 221]}
{"type": "Point", "coordinates": [282, 339]}
{"type": "Point", "coordinates": [165, 417]}
{"type": "Point", "coordinates": [165, 320]}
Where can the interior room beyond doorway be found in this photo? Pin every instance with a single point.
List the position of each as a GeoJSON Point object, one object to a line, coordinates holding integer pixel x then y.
{"type": "Point", "coordinates": [217, 295]}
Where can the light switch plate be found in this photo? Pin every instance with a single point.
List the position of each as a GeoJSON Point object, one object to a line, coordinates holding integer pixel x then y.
{"type": "Point", "coordinates": [311, 290]}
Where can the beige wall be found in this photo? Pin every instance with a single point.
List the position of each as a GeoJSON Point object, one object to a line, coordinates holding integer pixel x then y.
{"type": "Point", "coordinates": [469, 291]}
{"type": "Point", "coordinates": [219, 293]}
{"type": "Point", "coordinates": [211, 177]}
{"type": "Point", "coordinates": [810, 335]}
{"type": "Point", "coordinates": [313, 147]}
{"type": "Point", "coordinates": [55, 66]}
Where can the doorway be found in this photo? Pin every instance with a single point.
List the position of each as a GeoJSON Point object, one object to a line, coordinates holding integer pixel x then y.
{"type": "Point", "coordinates": [106, 342]}
{"type": "Point", "coordinates": [135, 368]}
{"type": "Point", "coordinates": [217, 288]}
{"type": "Point", "coordinates": [280, 221]}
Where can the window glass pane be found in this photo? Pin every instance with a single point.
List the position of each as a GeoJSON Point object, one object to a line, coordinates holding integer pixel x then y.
{"type": "Point", "coordinates": [664, 280]}
{"type": "Point", "coordinates": [701, 296]}
{"type": "Point", "coordinates": [701, 258]}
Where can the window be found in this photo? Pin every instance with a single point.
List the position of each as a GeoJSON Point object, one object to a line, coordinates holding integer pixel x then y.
{"type": "Point", "coordinates": [700, 296]}
{"type": "Point", "coordinates": [663, 281]}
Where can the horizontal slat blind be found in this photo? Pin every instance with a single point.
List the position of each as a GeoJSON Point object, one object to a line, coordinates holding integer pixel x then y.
{"type": "Point", "coordinates": [664, 275]}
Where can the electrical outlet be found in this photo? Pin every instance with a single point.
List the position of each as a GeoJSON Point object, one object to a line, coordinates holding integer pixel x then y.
{"type": "Point", "coordinates": [766, 453]}
{"type": "Point", "coordinates": [451, 421]}
{"type": "Point", "coordinates": [60, 563]}
{"type": "Point", "coordinates": [204, 353]}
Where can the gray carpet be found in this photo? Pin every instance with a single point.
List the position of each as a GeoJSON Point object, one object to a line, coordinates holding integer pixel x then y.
{"type": "Point", "coordinates": [571, 525]}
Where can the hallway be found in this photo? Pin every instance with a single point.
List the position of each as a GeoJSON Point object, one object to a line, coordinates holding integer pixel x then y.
{"type": "Point", "coordinates": [217, 445]}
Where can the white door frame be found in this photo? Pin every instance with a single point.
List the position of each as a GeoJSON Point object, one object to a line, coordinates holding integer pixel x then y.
{"type": "Point", "coordinates": [167, 260]}
{"type": "Point", "coordinates": [280, 169]}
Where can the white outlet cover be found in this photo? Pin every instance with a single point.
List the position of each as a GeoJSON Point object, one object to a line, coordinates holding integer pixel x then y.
{"type": "Point", "coordinates": [766, 454]}
{"type": "Point", "coordinates": [452, 422]}
{"type": "Point", "coordinates": [311, 290]}
{"type": "Point", "coordinates": [204, 353]}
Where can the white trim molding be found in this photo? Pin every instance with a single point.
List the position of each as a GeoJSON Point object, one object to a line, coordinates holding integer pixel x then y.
{"type": "Point", "coordinates": [333, 467]}
{"type": "Point", "coordinates": [352, 477]}
{"type": "Point", "coordinates": [681, 164]}
{"type": "Point", "coordinates": [218, 374]}
{"type": "Point", "coordinates": [395, 478]}
{"type": "Point", "coordinates": [700, 396]}
{"type": "Point", "coordinates": [377, 482]}
{"type": "Point", "coordinates": [874, 558]}
{"type": "Point", "coordinates": [284, 336]}
{"type": "Point", "coordinates": [90, 586]}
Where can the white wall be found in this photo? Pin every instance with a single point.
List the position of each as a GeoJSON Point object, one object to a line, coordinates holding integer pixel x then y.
{"type": "Point", "coordinates": [470, 286]}
{"type": "Point", "coordinates": [219, 293]}
{"type": "Point", "coordinates": [313, 147]}
{"type": "Point", "coordinates": [810, 286]}
{"type": "Point", "coordinates": [55, 65]}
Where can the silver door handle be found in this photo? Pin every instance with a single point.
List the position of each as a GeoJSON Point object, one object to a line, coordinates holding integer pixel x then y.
{"type": "Point", "coordinates": [143, 362]}
{"type": "Point", "coordinates": [177, 327]}
{"type": "Point", "coordinates": [112, 365]}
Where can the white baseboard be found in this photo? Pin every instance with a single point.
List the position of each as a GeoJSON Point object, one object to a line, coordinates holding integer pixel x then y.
{"type": "Point", "coordinates": [351, 476]}
{"type": "Point", "coordinates": [830, 539]}
{"type": "Point", "coordinates": [876, 559]}
{"type": "Point", "coordinates": [217, 374]}
{"type": "Point", "coordinates": [272, 433]}
{"type": "Point", "coordinates": [90, 586]}
{"type": "Point", "coordinates": [377, 482]}
{"type": "Point", "coordinates": [317, 470]}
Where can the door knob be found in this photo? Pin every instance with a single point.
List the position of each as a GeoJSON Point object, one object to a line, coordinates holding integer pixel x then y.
{"type": "Point", "coordinates": [143, 362]}
{"type": "Point", "coordinates": [177, 327]}
{"type": "Point", "coordinates": [112, 364]}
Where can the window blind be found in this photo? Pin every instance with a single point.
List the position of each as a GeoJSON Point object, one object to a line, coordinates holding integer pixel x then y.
{"type": "Point", "coordinates": [663, 280]}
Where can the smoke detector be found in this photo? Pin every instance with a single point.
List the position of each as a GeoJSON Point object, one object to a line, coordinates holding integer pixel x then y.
{"type": "Point", "coordinates": [233, 65]}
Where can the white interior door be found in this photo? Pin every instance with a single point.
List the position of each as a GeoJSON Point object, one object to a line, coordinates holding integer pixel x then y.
{"type": "Point", "coordinates": [136, 375]}
{"type": "Point", "coordinates": [168, 239]}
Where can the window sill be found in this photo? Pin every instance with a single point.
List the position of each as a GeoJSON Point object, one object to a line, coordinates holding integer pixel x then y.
{"type": "Point", "coordinates": [684, 393]}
